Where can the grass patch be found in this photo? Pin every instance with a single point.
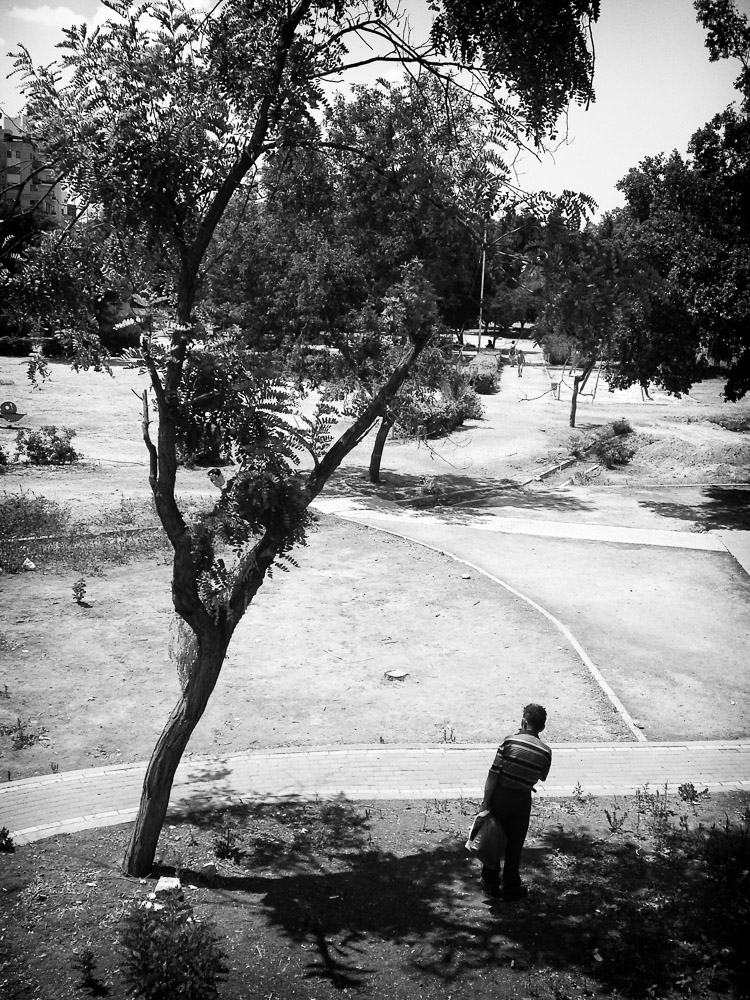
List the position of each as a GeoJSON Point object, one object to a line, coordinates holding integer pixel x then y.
{"type": "Point", "coordinates": [41, 531]}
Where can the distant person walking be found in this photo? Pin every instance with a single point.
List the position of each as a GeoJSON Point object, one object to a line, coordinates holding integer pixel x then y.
{"type": "Point", "coordinates": [520, 762]}
{"type": "Point", "coordinates": [512, 355]}
{"type": "Point", "coordinates": [520, 362]}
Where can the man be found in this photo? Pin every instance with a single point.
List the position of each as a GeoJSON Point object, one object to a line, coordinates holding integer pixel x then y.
{"type": "Point", "coordinates": [520, 762]}
{"type": "Point", "coordinates": [520, 362]}
{"type": "Point", "coordinates": [512, 354]}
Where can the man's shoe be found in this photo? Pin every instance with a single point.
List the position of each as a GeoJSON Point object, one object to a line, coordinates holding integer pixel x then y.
{"type": "Point", "coordinates": [510, 895]}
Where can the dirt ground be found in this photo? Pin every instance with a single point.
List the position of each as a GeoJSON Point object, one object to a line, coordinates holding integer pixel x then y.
{"type": "Point", "coordinates": [89, 685]}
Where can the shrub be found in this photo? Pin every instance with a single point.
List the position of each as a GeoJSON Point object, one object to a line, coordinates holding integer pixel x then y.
{"type": "Point", "coordinates": [579, 444]}
{"type": "Point", "coordinates": [47, 446]}
{"type": "Point", "coordinates": [613, 451]}
{"type": "Point", "coordinates": [470, 406]}
{"type": "Point", "coordinates": [23, 515]}
{"type": "Point", "coordinates": [15, 347]}
{"type": "Point", "coordinates": [621, 426]}
{"type": "Point", "coordinates": [430, 419]}
{"type": "Point", "coordinates": [3, 459]}
{"type": "Point", "coordinates": [169, 953]}
{"type": "Point", "coordinates": [484, 382]}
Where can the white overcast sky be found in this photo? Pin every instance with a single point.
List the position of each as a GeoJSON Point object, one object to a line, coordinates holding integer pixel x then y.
{"type": "Point", "coordinates": [654, 85]}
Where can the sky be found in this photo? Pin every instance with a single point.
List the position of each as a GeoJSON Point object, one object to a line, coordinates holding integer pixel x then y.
{"type": "Point", "coordinates": [654, 84]}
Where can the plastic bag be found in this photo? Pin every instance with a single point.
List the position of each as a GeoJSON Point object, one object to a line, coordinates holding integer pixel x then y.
{"type": "Point", "coordinates": [486, 840]}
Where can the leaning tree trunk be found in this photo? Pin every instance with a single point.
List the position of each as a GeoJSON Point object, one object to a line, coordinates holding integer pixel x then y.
{"type": "Point", "coordinates": [377, 451]}
{"type": "Point", "coordinates": [167, 753]}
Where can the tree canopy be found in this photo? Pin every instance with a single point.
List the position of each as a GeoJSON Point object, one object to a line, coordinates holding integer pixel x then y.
{"type": "Point", "coordinates": [688, 220]}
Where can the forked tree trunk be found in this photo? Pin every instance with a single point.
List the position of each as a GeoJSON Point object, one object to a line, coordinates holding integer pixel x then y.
{"type": "Point", "coordinates": [168, 752]}
{"type": "Point", "coordinates": [377, 451]}
{"type": "Point", "coordinates": [214, 638]}
{"type": "Point", "coordinates": [579, 381]}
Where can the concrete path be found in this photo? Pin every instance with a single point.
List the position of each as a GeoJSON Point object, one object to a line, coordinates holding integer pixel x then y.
{"type": "Point", "coordinates": [34, 808]}
{"type": "Point", "coordinates": [422, 525]}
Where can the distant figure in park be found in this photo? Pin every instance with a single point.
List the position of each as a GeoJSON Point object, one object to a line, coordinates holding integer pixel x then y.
{"type": "Point", "coordinates": [520, 762]}
{"type": "Point", "coordinates": [520, 362]}
{"type": "Point", "coordinates": [489, 346]}
{"type": "Point", "coordinates": [512, 354]}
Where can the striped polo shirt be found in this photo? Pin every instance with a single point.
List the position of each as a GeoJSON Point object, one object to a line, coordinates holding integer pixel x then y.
{"type": "Point", "coordinates": [522, 760]}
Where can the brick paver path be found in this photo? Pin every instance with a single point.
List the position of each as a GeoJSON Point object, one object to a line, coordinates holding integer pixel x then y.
{"type": "Point", "coordinates": [34, 808]}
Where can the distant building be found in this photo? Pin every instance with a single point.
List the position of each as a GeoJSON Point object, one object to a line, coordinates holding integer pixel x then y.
{"type": "Point", "coordinates": [25, 183]}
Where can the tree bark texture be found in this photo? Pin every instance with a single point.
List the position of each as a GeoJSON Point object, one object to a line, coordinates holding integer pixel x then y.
{"type": "Point", "coordinates": [579, 381]}
{"type": "Point", "coordinates": [377, 451]}
{"type": "Point", "coordinates": [167, 753]}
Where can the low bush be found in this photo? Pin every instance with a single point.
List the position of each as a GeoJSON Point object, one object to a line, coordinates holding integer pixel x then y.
{"type": "Point", "coordinates": [15, 347]}
{"type": "Point", "coordinates": [621, 426]}
{"type": "Point", "coordinates": [440, 416]}
{"type": "Point", "coordinates": [484, 382]}
{"type": "Point", "coordinates": [614, 451]}
{"type": "Point", "coordinates": [25, 514]}
{"type": "Point", "coordinates": [604, 443]}
{"type": "Point", "coordinates": [579, 444]}
{"type": "Point", "coordinates": [169, 953]}
{"type": "Point", "coordinates": [48, 446]}
{"type": "Point", "coordinates": [470, 406]}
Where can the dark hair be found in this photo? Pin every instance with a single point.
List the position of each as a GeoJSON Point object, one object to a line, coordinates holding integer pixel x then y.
{"type": "Point", "coordinates": [536, 716]}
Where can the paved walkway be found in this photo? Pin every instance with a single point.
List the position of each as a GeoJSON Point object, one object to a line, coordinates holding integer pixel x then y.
{"type": "Point", "coordinates": [430, 528]}
{"type": "Point", "coordinates": [34, 808]}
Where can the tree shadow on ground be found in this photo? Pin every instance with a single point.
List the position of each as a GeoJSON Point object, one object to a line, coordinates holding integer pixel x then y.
{"type": "Point", "coordinates": [610, 912]}
{"type": "Point", "coordinates": [450, 490]}
{"type": "Point", "coordinates": [718, 507]}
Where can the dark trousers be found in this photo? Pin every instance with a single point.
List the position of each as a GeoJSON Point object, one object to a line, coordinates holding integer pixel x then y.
{"type": "Point", "coordinates": [512, 807]}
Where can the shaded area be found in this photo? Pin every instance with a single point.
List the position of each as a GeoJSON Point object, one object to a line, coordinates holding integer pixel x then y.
{"type": "Point", "coordinates": [643, 911]}
{"type": "Point", "coordinates": [632, 897]}
{"type": "Point", "coordinates": [397, 486]}
{"type": "Point", "coordinates": [715, 507]}
{"type": "Point", "coordinates": [451, 490]}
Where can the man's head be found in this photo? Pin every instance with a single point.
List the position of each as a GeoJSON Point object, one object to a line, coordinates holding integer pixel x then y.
{"type": "Point", "coordinates": [534, 718]}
